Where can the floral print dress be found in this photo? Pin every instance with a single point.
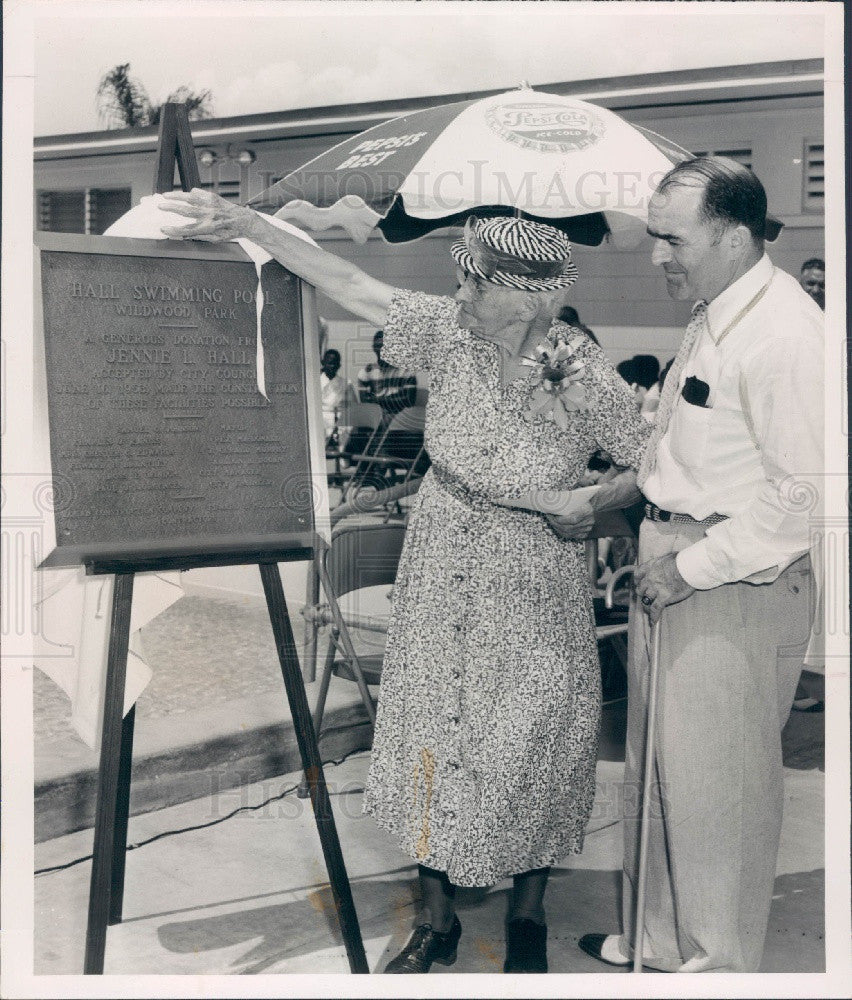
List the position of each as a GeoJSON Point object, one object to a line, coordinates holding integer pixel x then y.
{"type": "Point", "coordinates": [483, 762]}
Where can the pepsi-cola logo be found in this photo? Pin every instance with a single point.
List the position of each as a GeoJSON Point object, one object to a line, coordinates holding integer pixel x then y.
{"type": "Point", "coordinates": [549, 128]}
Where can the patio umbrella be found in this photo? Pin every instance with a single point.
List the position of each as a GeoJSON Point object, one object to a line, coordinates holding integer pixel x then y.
{"type": "Point", "coordinates": [555, 159]}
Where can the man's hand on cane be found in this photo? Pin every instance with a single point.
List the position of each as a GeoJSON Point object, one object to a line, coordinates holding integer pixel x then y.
{"type": "Point", "coordinates": [658, 583]}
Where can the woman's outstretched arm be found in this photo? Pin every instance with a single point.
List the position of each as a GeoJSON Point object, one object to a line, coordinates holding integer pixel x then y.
{"type": "Point", "coordinates": [216, 220]}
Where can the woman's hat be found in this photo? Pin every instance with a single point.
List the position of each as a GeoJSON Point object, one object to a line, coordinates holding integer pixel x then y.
{"type": "Point", "coordinates": [517, 253]}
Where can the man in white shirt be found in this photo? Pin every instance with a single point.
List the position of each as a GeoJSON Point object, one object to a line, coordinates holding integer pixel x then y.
{"type": "Point", "coordinates": [334, 389]}
{"type": "Point", "coordinates": [729, 476]}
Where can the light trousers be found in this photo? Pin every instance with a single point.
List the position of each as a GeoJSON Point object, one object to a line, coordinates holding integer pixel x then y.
{"type": "Point", "coordinates": [730, 660]}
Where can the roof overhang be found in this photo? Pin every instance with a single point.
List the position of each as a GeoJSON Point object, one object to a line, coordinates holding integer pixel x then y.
{"type": "Point", "coordinates": [681, 88]}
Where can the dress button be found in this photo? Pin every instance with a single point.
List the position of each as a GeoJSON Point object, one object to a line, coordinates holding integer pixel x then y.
{"type": "Point", "coordinates": [458, 576]}
{"type": "Point", "coordinates": [454, 764]}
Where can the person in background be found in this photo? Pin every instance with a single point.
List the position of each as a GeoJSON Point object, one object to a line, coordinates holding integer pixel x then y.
{"type": "Point", "coordinates": [724, 561]}
{"type": "Point", "coordinates": [334, 389]}
{"type": "Point", "coordinates": [393, 389]}
{"type": "Point", "coordinates": [812, 279]}
{"type": "Point", "coordinates": [569, 315]}
{"type": "Point", "coordinates": [651, 402]}
{"type": "Point", "coordinates": [646, 371]}
{"type": "Point", "coordinates": [640, 372]}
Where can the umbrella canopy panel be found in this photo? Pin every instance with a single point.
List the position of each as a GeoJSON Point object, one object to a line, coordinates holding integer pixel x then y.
{"type": "Point", "coordinates": [370, 166]}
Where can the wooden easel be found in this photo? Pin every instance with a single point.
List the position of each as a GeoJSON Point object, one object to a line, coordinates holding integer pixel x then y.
{"type": "Point", "coordinates": [106, 890]}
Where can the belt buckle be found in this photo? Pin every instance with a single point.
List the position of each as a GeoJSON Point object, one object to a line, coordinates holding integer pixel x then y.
{"type": "Point", "coordinates": [657, 514]}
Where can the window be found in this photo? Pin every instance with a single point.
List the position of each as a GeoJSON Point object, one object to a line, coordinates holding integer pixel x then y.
{"type": "Point", "coordinates": [62, 211]}
{"type": "Point", "coordinates": [813, 169]}
{"type": "Point", "coordinates": [741, 154]}
{"type": "Point", "coordinates": [90, 211]}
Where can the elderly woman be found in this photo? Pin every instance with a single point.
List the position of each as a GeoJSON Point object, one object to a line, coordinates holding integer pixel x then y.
{"type": "Point", "coordinates": [483, 763]}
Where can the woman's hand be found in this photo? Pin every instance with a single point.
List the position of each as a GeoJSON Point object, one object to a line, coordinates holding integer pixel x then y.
{"type": "Point", "coordinates": [577, 524]}
{"type": "Point", "coordinates": [211, 218]}
{"type": "Point", "coordinates": [569, 512]}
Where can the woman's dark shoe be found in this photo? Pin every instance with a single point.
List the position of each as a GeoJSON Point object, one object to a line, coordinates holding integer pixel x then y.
{"type": "Point", "coordinates": [425, 947]}
{"type": "Point", "coordinates": [526, 946]}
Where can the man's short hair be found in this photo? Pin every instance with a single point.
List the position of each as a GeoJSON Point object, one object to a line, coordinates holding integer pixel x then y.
{"type": "Point", "coordinates": [815, 263]}
{"type": "Point", "coordinates": [733, 195]}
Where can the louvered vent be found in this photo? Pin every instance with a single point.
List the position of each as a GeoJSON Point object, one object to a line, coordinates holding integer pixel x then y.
{"type": "Point", "coordinates": [813, 196]}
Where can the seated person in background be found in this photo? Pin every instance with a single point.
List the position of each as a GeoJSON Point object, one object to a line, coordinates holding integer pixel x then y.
{"type": "Point", "coordinates": [569, 315]}
{"type": "Point", "coordinates": [392, 388]}
{"type": "Point", "coordinates": [812, 279]}
{"type": "Point", "coordinates": [334, 389]}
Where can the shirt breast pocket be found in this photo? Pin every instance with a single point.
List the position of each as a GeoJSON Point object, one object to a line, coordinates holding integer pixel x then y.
{"type": "Point", "coordinates": [689, 434]}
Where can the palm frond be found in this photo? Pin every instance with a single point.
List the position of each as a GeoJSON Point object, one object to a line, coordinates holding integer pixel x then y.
{"type": "Point", "coordinates": [199, 105]}
{"type": "Point", "coordinates": [122, 101]}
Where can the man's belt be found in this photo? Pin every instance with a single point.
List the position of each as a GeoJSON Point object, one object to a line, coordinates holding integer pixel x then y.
{"type": "Point", "coordinates": [655, 513]}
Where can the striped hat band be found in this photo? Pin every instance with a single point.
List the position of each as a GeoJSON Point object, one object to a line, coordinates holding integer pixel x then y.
{"type": "Point", "coordinates": [516, 253]}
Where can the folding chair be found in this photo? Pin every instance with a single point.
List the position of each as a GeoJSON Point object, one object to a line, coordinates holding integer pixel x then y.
{"type": "Point", "coordinates": [368, 504]}
{"type": "Point", "coordinates": [361, 555]}
{"type": "Point", "coordinates": [394, 454]}
{"type": "Point", "coordinates": [611, 605]}
{"type": "Point", "coordinates": [360, 426]}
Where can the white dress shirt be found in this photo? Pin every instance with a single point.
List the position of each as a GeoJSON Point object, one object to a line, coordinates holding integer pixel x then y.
{"type": "Point", "coordinates": [755, 451]}
{"type": "Point", "coordinates": [333, 395]}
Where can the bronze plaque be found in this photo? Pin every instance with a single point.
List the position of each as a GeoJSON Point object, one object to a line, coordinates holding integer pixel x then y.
{"type": "Point", "coordinates": [161, 441]}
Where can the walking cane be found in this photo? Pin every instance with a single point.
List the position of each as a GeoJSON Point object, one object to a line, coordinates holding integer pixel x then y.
{"type": "Point", "coordinates": [650, 739]}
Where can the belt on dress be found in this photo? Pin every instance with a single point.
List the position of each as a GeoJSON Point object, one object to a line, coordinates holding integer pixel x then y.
{"type": "Point", "coordinates": [458, 488]}
{"type": "Point", "coordinates": [655, 513]}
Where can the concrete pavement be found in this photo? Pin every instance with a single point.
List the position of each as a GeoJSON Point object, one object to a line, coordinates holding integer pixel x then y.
{"type": "Point", "coordinates": [248, 895]}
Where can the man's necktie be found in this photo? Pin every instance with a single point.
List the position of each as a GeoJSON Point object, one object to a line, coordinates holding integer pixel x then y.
{"type": "Point", "coordinates": [668, 396]}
